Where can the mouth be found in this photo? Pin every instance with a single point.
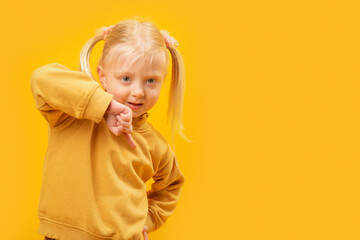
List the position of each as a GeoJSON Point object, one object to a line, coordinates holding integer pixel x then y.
{"type": "Point", "coordinates": [135, 106]}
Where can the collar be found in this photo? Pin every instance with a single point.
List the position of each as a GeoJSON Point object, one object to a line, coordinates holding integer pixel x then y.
{"type": "Point", "coordinates": [140, 122]}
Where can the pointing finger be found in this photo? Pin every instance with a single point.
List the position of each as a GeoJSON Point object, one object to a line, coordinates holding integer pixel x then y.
{"type": "Point", "coordinates": [130, 140]}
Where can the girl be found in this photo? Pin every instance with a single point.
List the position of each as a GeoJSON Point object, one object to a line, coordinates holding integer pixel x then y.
{"type": "Point", "coordinates": [101, 148]}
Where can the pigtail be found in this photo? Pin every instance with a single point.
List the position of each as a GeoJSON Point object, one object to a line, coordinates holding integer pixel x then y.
{"type": "Point", "coordinates": [176, 94]}
{"type": "Point", "coordinates": [85, 53]}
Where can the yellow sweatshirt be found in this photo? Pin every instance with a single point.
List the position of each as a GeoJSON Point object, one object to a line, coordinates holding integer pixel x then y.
{"type": "Point", "coordinates": [93, 183]}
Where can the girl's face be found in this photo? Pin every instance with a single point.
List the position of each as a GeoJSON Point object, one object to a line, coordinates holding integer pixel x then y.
{"type": "Point", "coordinates": [136, 84]}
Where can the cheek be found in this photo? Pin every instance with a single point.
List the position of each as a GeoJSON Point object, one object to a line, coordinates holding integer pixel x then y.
{"type": "Point", "coordinates": [154, 96]}
{"type": "Point", "coordinates": [118, 90]}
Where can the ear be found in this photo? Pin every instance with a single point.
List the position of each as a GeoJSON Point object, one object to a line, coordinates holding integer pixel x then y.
{"type": "Point", "coordinates": [102, 78]}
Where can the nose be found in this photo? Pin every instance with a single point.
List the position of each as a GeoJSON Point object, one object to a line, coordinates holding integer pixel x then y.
{"type": "Point", "coordinates": [137, 91]}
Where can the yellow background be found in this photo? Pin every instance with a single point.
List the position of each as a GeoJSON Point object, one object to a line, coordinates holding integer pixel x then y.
{"type": "Point", "coordinates": [271, 103]}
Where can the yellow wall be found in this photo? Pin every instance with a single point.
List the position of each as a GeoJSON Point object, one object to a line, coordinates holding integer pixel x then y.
{"type": "Point", "coordinates": [271, 102]}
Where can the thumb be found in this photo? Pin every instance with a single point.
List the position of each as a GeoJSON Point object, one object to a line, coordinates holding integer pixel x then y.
{"type": "Point", "coordinates": [116, 108]}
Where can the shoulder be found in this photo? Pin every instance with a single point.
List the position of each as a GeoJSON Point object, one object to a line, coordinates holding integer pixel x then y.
{"type": "Point", "coordinates": [158, 138]}
{"type": "Point", "coordinates": [48, 70]}
{"type": "Point", "coordinates": [51, 66]}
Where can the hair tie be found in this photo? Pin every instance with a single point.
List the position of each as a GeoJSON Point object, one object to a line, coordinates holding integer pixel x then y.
{"type": "Point", "coordinates": [169, 40]}
{"type": "Point", "coordinates": [104, 31]}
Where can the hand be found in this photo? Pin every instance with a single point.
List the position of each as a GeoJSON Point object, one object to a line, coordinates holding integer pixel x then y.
{"type": "Point", "coordinates": [145, 233]}
{"type": "Point", "coordinates": [118, 118]}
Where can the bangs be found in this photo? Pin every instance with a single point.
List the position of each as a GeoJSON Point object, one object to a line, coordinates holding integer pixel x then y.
{"type": "Point", "coordinates": [130, 55]}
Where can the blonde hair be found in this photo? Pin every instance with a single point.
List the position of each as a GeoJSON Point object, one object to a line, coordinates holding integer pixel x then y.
{"type": "Point", "coordinates": [146, 35]}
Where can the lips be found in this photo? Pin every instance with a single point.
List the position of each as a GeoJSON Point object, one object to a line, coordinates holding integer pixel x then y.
{"type": "Point", "coordinates": [135, 106]}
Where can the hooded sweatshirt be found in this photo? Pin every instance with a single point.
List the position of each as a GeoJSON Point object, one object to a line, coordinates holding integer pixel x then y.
{"type": "Point", "coordinates": [94, 183]}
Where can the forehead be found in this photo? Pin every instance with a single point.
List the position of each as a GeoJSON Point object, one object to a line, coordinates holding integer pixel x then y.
{"type": "Point", "coordinates": [130, 59]}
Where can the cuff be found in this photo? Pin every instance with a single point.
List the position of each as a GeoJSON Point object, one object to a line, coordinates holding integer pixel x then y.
{"type": "Point", "coordinates": [98, 104]}
{"type": "Point", "coordinates": [150, 223]}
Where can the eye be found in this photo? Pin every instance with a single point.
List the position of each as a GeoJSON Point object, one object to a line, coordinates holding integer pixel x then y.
{"type": "Point", "coordinates": [151, 81]}
{"type": "Point", "coordinates": [125, 79]}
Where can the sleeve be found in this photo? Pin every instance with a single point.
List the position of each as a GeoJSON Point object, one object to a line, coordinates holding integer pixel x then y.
{"type": "Point", "coordinates": [60, 93]}
{"type": "Point", "coordinates": [165, 191]}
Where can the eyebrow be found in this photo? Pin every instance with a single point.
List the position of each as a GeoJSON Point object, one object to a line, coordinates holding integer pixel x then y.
{"type": "Point", "coordinates": [152, 74]}
{"type": "Point", "coordinates": [123, 73]}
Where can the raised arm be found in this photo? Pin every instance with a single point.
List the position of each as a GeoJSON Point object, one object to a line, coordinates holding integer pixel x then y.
{"type": "Point", "coordinates": [60, 92]}
{"type": "Point", "coordinates": [165, 191]}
